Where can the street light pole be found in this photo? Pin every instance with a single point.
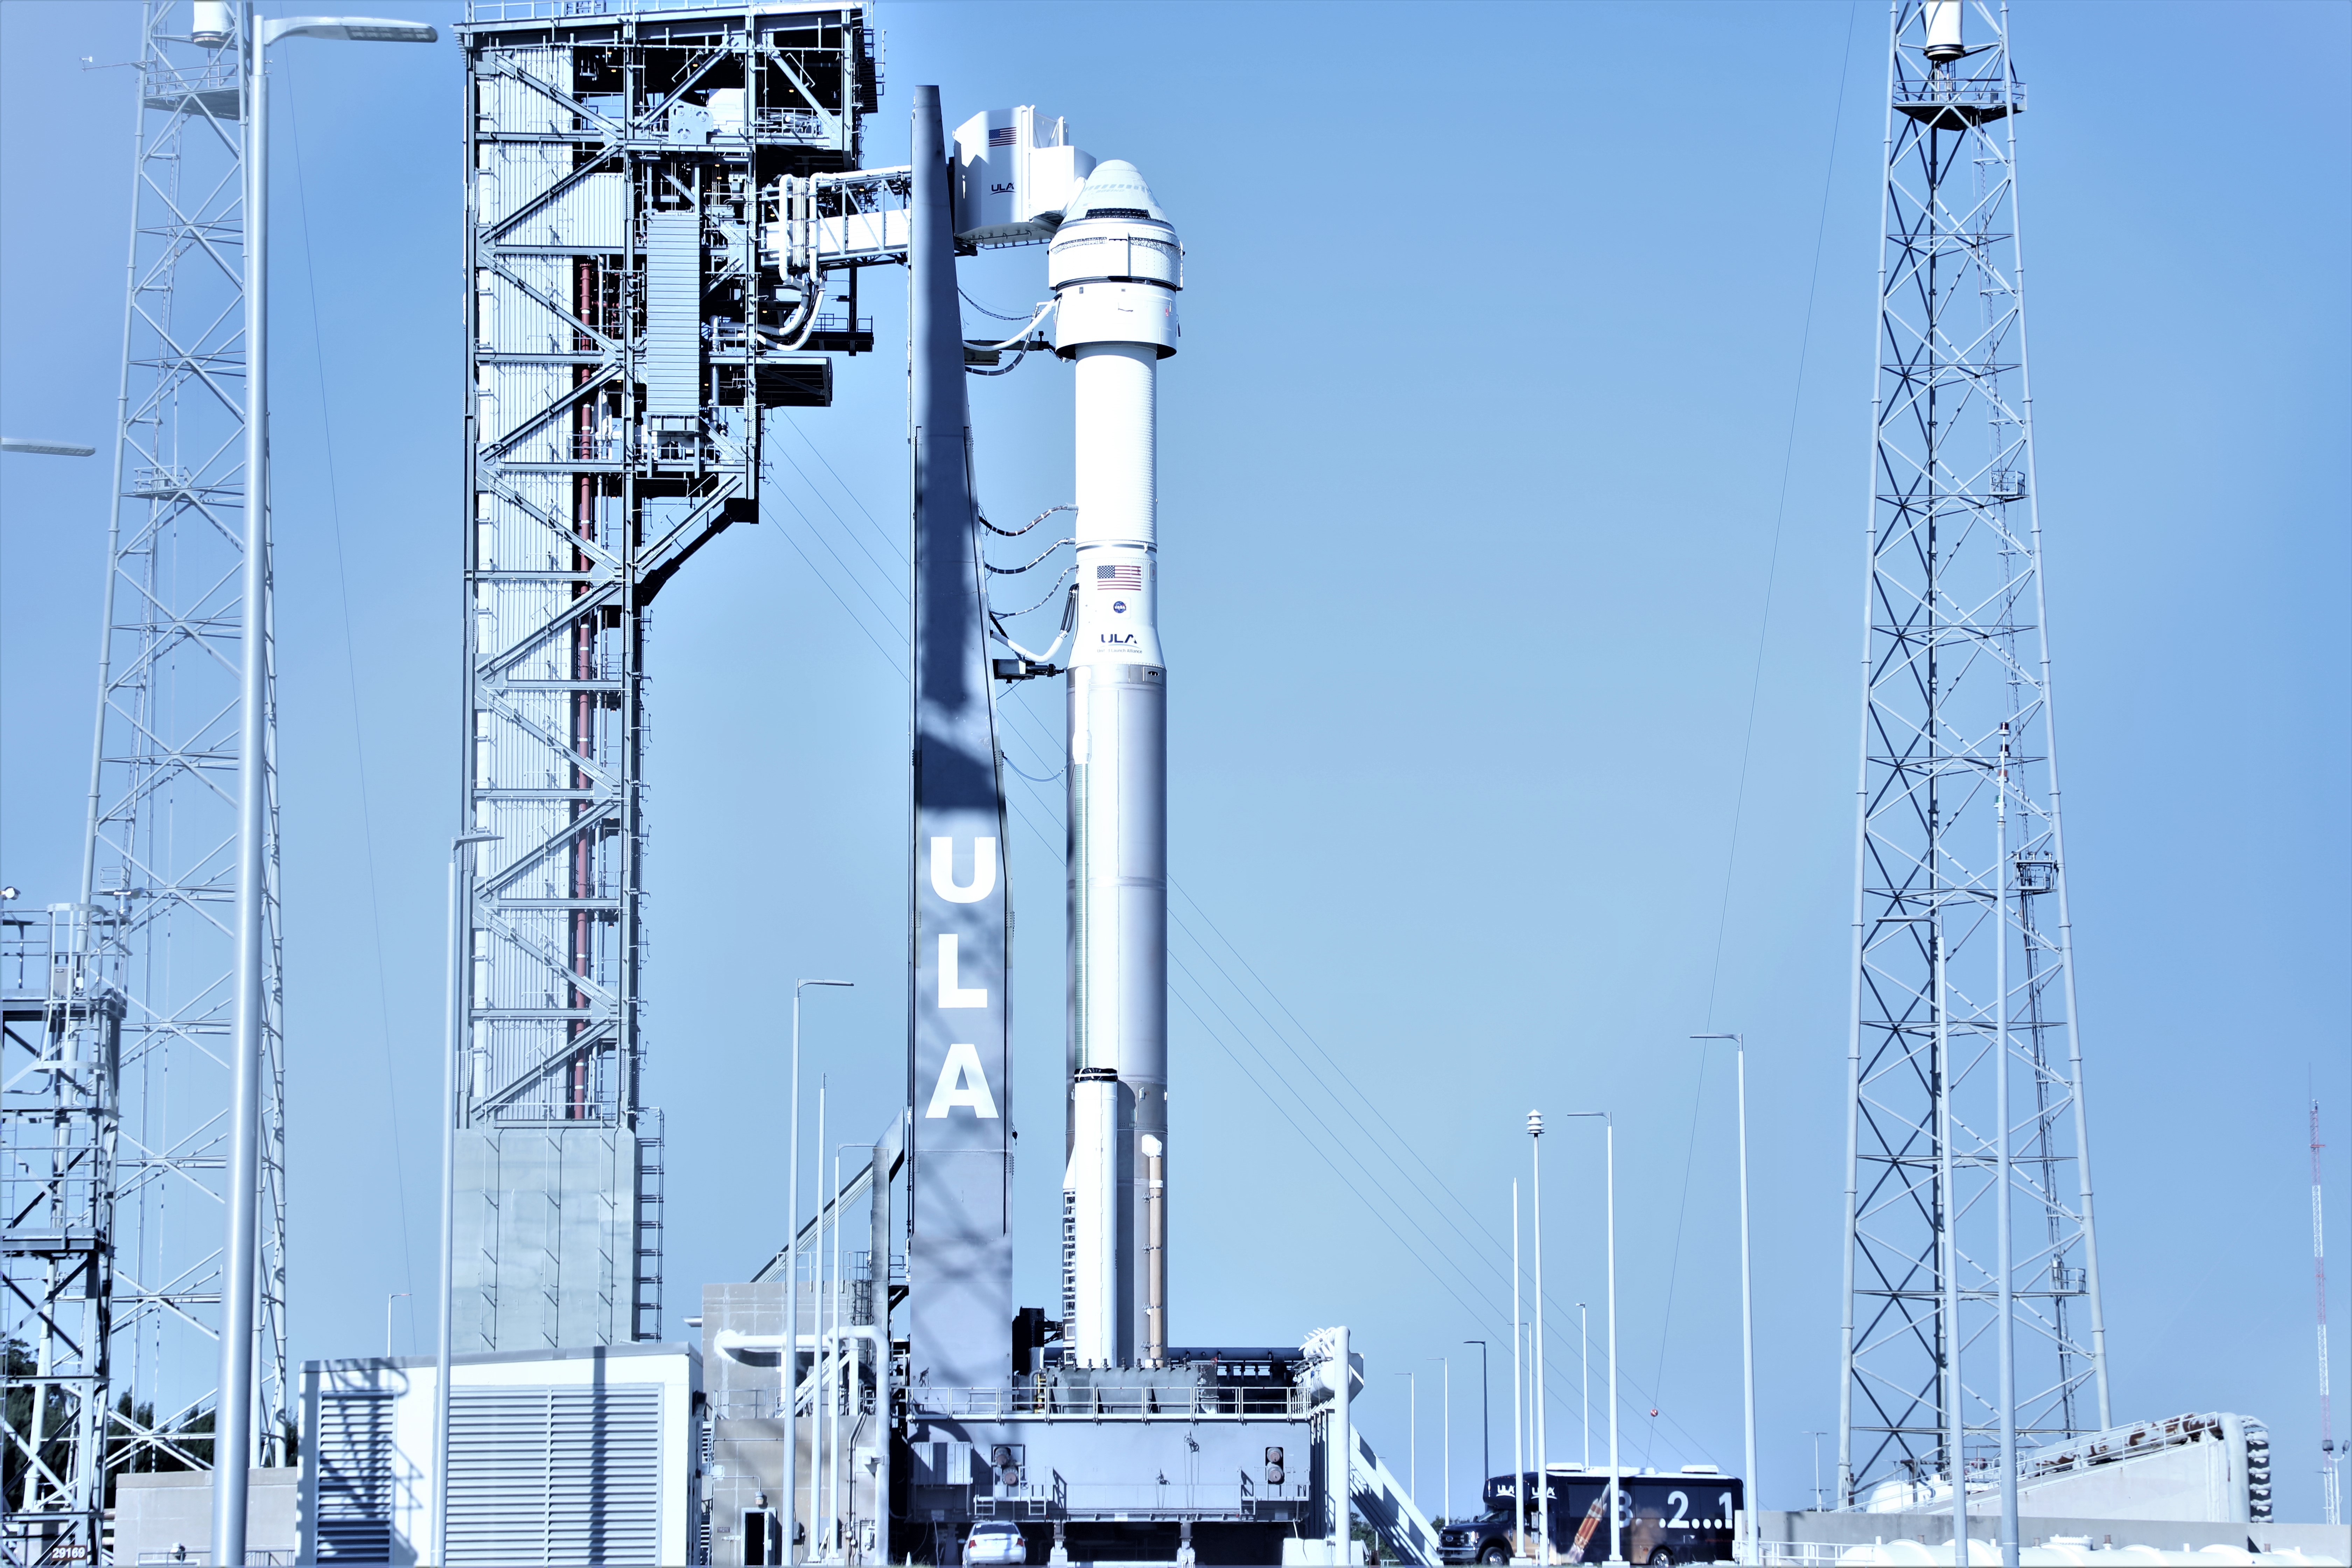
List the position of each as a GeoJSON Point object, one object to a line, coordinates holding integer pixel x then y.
{"type": "Point", "coordinates": [1584, 1380]}
{"type": "Point", "coordinates": [453, 1038]}
{"type": "Point", "coordinates": [817, 1338]}
{"type": "Point", "coordinates": [232, 1421]}
{"type": "Point", "coordinates": [791, 1363]}
{"type": "Point", "coordinates": [1485, 1455]}
{"type": "Point", "coordinates": [1616, 1505]}
{"type": "Point", "coordinates": [240, 1288]}
{"type": "Point", "coordinates": [1745, 1544]}
{"type": "Point", "coordinates": [1616, 1490]}
{"type": "Point", "coordinates": [1412, 1436]}
{"type": "Point", "coordinates": [1543, 1447]}
{"type": "Point", "coordinates": [2003, 1239]}
{"type": "Point", "coordinates": [1445, 1437]}
{"type": "Point", "coordinates": [1519, 1396]}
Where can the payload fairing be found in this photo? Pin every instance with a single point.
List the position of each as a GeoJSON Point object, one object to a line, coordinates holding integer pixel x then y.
{"type": "Point", "coordinates": [1115, 267]}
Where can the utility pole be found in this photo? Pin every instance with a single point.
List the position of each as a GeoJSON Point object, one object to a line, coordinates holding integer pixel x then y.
{"type": "Point", "coordinates": [2330, 1487]}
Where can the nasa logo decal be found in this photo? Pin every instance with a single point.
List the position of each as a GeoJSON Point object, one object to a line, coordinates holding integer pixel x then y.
{"type": "Point", "coordinates": [1119, 607]}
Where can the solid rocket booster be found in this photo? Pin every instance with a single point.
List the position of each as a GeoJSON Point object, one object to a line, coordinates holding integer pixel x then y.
{"type": "Point", "coordinates": [1115, 267]}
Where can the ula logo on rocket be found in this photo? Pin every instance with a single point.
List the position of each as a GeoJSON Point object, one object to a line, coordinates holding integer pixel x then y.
{"type": "Point", "coordinates": [964, 1078]}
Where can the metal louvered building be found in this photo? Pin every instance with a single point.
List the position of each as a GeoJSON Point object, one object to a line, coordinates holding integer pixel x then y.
{"type": "Point", "coordinates": [583, 1456]}
{"type": "Point", "coordinates": [643, 179]}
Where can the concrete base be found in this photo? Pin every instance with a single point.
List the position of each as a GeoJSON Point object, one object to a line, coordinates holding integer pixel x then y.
{"type": "Point", "coordinates": [1935, 1529]}
{"type": "Point", "coordinates": [168, 1518]}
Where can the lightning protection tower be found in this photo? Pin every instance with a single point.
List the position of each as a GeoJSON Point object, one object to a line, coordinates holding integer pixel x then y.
{"type": "Point", "coordinates": [114, 1126]}
{"type": "Point", "coordinates": [1963, 960]}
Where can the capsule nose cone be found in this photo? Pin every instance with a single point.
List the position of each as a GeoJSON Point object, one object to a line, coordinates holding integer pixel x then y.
{"type": "Point", "coordinates": [1116, 189]}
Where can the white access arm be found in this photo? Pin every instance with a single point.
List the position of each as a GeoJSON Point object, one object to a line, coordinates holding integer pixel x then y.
{"type": "Point", "coordinates": [1404, 1530]}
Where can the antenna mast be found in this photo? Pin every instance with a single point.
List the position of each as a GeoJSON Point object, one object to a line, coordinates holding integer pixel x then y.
{"type": "Point", "coordinates": [2331, 1496]}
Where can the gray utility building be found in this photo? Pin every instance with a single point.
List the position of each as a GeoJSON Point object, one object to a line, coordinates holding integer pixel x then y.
{"type": "Point", "coordinates": [641, 189]}
{"type": "Point", "coordinates": [581, 1456]}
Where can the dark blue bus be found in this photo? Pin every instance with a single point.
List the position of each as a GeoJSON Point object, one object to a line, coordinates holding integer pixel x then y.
{"type": "Point", "coordinates": [1685, 1517]}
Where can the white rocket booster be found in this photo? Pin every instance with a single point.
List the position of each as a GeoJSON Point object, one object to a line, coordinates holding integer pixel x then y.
{"type": "Point", "coordinates": [1115, 267]}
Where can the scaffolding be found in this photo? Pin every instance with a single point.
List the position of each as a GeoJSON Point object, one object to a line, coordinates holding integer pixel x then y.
{"type": "Point", "coordinates": [642, 207]}
{"type": "Point", "coordinates": [1963, 963]}
{"type": "Point", "coordinates": [120, 1005]}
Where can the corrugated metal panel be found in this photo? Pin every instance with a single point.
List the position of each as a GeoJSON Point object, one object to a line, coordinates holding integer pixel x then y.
{"type": "Point", "coordinates": [593, 215]}
{"type": "Point", "coordinates": [513, 174]}
{"type": "Point", "coordinates": [511, 106]}
{"type": "Point", "coordinates": [514, 322]}
{"type": "Point", "coordinates": [354, 1459]}
{"type": "Point", "coordinates": [555, 1474]}
{"type": "Point", "coordinates": [673, 362]}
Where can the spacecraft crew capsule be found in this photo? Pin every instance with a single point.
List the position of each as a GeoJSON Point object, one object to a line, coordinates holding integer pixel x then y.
{"type": "Point", "coordinates": [1115, 267]}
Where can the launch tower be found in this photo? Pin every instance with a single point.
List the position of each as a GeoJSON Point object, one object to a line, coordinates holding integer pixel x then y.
{"type": "Point", "coordinates": [1963, 956]}
{"type": "Point", "coordinates": [649, 187]}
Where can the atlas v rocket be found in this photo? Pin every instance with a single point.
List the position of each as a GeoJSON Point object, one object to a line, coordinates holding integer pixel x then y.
{"type": "Point", "coordinates": [1115, 267]}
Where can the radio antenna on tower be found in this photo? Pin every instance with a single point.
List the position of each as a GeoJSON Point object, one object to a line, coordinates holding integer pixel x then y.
{"type": "Point", "coordinates": [2331, 1497]}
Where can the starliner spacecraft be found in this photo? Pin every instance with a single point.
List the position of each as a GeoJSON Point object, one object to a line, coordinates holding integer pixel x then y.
{"type": "Point", "coordinates": [1115, 266]}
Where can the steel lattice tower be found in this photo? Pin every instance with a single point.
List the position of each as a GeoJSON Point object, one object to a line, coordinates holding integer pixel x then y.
{"type": "Point", "coordinates": [123, 1140]}
{"type": "Point", "coordinates": [1963, 963]}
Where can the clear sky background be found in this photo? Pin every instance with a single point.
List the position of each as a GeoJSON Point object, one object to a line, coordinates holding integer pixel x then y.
{"type": "Point", "coordinates": [1506, 362]}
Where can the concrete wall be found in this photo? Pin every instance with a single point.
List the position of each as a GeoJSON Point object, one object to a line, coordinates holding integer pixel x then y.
{"type": "Point", "coordinates": [546, 1238]}
{"type": "Point", "coordinates": [2189, 1481]}
{"type": "Point", "coordinates": [158, 1516]}
{"type": "Point", "coordinates": [1935, 1529]}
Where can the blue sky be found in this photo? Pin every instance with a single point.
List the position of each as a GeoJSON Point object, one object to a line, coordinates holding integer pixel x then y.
{"type": "Point", "coordinates": [1489, 409]}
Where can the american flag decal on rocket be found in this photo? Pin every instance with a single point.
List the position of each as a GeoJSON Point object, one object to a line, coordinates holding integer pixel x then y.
{"type": "Point", "coordinates": [1003, 136]}
{"type": "Point", "coordinates": [1126, 579]}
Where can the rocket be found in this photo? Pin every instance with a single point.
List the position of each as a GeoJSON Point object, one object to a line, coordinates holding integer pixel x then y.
{"type": "Point", "coordinates": [1115, 267]}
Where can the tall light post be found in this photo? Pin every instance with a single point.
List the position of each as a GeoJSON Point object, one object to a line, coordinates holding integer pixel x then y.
{"type": "Point", "coordinates": [1486, 1454]}
{"type": "Point", "coordinates": [2003, 1240]}
{"type": "Point", "coordinates": [791, 1366]}
{"type": "Point", "coordinates": [1745, 1544]}
{"type": "Point", "coordinates": [453, 1037]}
{"type": "Point", "coordinates": [240, 1288]}
{"type": "Point", "coordinates": [1519, 1396]}
{"type": "Point", "coordinates": [1616, 1533]}
{"type": "Point", "coordinates": [1584, 1380]}
{"type": "Point", "coordinates": [1543, 1447]}
{"type": "Point", "coordinates": [836, 1355]}
{"type": "Point", "coordinates": [1413, 1436]}
{"type": "Point", "coordinates": [816, 1335]}
{"type": "Point", "coordinates": [1444, 1436]}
